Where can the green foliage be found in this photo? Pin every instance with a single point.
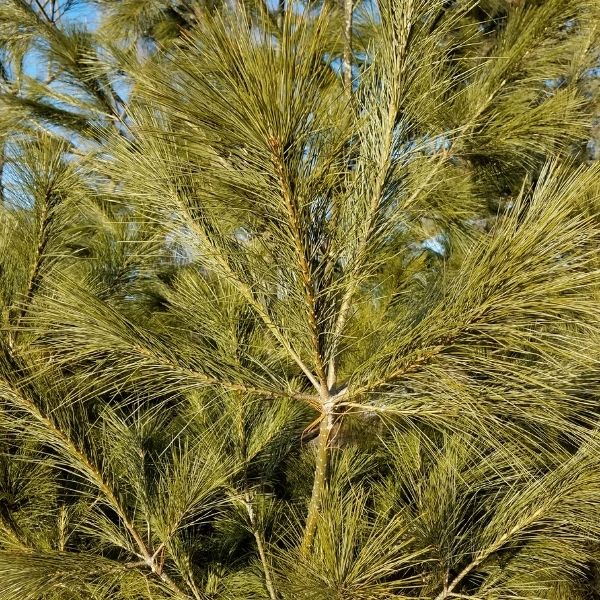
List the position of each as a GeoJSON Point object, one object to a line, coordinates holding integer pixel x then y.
{"type": "Point", "coordinates": [265, 334]}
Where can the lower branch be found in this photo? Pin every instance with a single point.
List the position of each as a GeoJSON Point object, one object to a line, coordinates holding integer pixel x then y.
{"type": "Point", "coordinates": [67, 444]}
{"type": "Point", "coordinates": [448, 591]}
{"type": "Point", "coordinates": [261, 548]}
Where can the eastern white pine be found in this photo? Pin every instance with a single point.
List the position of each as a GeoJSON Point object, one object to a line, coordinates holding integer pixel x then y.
{"type": "Point", "coordinates": [299, 300]}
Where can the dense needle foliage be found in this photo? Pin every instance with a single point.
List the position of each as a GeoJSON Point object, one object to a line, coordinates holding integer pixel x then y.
{"type": "Point", "coordinates": [299, 301]}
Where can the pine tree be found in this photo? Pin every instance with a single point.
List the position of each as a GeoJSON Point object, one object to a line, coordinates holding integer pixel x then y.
{"type": "Point", "coordinates": [299, 301]}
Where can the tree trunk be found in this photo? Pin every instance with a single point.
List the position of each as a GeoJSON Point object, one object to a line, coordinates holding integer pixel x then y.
{"type": "Point", "coordinates": [320, 479]}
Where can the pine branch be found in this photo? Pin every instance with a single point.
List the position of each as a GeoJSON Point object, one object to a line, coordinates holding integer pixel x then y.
{"type": "Point", "coordinates": [12, 531]}
{"type": "Point", "coordinates": [354, 275]}
{"type": "Point", "coordinates": [261, 547]}
{"type": "Point", "coordinates": [34, 279]}
{"type": "Point", "coordinates": [308, 279]}
{"type": "Point", "coordinates": [127, 340]}
{"type": "Point", "coordinates": [93, 474]}
{"type": "Point", "coordinates": [382, 170]}
{"type": "Point", "coordinates": [395, 375]}
{"type": "Point", "coordinates": [311, 400]}
{"type": "Point", "coordinates": [221, 258]}
{"type": "Point", "coordinates": [527, 234]}
{"type": "Point", "coordinates": [482, 555]}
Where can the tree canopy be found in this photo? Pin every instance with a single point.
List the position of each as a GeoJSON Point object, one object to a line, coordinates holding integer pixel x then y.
{"type": "Point", "coordinates": [299, 300]}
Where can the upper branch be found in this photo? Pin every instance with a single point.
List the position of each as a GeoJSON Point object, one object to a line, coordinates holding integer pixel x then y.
{"type": "Point", "coordinates": [246, 291]}
{"type": "Point", "coordinates": [308, 282]}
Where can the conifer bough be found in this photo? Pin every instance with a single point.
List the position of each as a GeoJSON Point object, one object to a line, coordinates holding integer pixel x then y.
{"type": "Point", "coordinates": [299, 301]}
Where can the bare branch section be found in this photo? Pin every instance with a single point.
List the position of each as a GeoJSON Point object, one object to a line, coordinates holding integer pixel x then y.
{"type": "Point", "coordinates": [329, 404]}
{"type": "Point", "coordinates": [320, 479]}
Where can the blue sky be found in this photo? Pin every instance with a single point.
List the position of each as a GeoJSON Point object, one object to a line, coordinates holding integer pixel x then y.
{"type": "Point", "coordinates": [85, 13]}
